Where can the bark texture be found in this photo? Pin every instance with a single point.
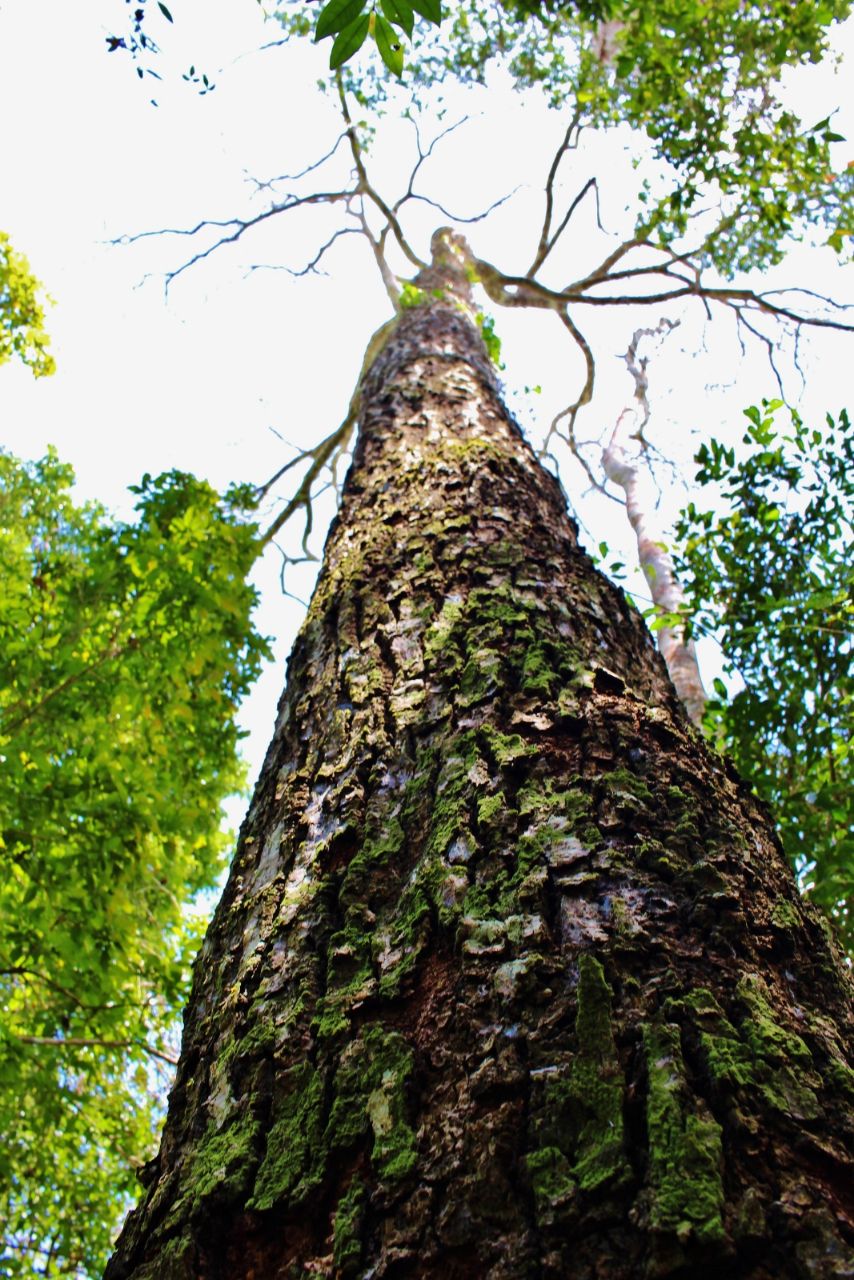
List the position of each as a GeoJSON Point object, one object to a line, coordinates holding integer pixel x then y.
{"type": "Point", "coordinates": [510, 978]}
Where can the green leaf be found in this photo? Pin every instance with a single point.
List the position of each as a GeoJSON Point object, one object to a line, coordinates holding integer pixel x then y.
{"type": "Point", "coordinates": [349, 41]}
{"type": "Point", "coordinates": [337, 15]}
{"type": "Point", "coordinates": [389, 44]}
{"type": "Point", "coordinates": [399, 12]}
{"type": "Point", "coordinates": [429, 9]}
{"type": "Point", "coordinates": [166, 14]}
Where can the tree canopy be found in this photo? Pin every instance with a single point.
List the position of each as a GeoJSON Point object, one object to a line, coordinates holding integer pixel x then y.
{"type": "Point", "coordinates": [22, 321]}
{"type": "Point", "coordinates": [124, 651]}
{"type": "Point", "coordinates": [699, 79]}
{"type": "Point", "coordinates": [768, 570]}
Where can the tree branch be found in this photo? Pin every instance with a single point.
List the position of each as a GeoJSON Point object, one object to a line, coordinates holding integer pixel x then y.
{"type": "Point", "coordinates": [83, 1042]}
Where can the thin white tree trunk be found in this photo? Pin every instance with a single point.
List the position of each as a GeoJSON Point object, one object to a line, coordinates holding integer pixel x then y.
{"type": "Point", "coordinates": [655, 560]}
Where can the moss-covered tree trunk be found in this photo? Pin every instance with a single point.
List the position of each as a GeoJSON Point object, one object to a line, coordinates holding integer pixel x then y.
{"type": "Point", "coordinates": [510, 978]}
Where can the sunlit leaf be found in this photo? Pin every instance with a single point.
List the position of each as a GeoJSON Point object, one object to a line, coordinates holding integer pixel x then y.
{"type": "Point", "coordinates": [390, 44]}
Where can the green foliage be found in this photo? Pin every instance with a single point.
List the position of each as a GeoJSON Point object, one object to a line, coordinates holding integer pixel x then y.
{"type": "Point", "coordinates": [350, 21]}
{"type": "Point", "coordinates": [491, 340]}
{"type": "Point", "coordinates": [22, 331]}
{"type": "Point", "coordinates": [769, 571]}
{"type": "Point", "coordinates": [697, 78]}
{"type": "Point", "coordinates": [411, 295]}
{"type": "Point", "coordinates": [124, 649]}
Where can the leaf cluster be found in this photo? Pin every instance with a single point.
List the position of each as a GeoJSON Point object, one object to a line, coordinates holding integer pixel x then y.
{"type": "Point", "coordinates": [22, 302]}
{"type": "Point", "coordinates": [124, 650]}
{"type": "Point", "coordinates": [351, 21]}
{"type": "Point", "coordinates": [769, 572]}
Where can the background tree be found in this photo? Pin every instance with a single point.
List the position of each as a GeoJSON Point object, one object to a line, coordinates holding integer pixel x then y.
{"type": "Point", "coordinates": [22, 330]}
{"type": "Point", "coordinates": [124, 649]}
{"type": "Point", "coordinates": [768, 571]}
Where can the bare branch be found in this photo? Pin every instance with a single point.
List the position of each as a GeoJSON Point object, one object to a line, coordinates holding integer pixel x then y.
{"type": "Point", "coordinates": [318, 457]}
{"type": "Point", "coordinates": [378, 249]}
{"type": "Point", "coordinates": [457, 217]}
{"type": "Point", "coordinates": [424, 155]}
{"type": "Point", "coordinates": [590, 185]}
{"type": "Point", "coordinates": [240, 227]}
{"type": "Point", "coordinates": [311, 267]}
{"type": "Point", "coordinates": [607, 263]}
{"type": "Point", "coordinates": [742, 321]}
{"type": "Point", "coordinates": [571, 412]}
{"type": "Point", "coordinates": [294, 177]}
{"type": "Point", "coordinates": [365, 185]}
{"type": "Point", "coordinates": [657, 564]}
{"type": "Point", "coordinates": [637, 367]}
{"type": "Point", "coordinates": [566, 145]}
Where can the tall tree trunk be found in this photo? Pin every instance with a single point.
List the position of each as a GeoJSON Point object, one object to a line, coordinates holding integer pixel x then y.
{"type": "Point", "coordinates": [510, 978]}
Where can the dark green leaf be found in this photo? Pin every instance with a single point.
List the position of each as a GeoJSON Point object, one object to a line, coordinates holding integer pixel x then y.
{"type": "Point", "coordinates": [349, 41]}
{"type": "Point", "coordinates": [337, 15]}
{"type": "Point", "coordinates": [399, 12]}
{"type": "Point", "coordinates": [166, 14]}
{"type": "Point", "coordinates": [429, 9]}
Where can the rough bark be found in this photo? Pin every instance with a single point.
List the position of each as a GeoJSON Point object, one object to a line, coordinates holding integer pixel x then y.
{"type": "Point", "coordinates": [510, 978]}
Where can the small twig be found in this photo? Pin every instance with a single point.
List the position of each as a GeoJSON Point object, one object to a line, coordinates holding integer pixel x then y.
{"type": "Point", "coordinates": [294, 177]}
{"type": "Point", "coordinates": [741, 320]}
{"type": "Point", "coordinates": [83, 1042]}
{"type": "Point", "coordinates": [589, 185]}
{"type": "Point", "coordinates": [456, 217]}
{"type": "Point", "coordinates": [311, 268]}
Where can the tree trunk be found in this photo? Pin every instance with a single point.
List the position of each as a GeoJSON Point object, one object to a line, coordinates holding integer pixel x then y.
{"type": "Point", "coordinates": [510, 978]}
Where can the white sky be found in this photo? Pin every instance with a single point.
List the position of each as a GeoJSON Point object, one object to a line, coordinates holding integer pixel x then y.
{"type": "Point", "coordinates": [196, 382]}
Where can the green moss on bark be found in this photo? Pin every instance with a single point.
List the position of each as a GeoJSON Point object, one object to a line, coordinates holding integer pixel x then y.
{"type": "Point", "coordinates": [686, 1196]}
{"type": "Point", "coordinates": [370, 1095]}
{"type": "Point", "coordinates": [552, 1183]}
{"type": "Point", "coordinates": [223, 1162]}
{"type": "Point", "coordinates": [596, 1082]}
{"type": "Point", "coordinates": [346, 1232]}
{"type": "Point", "coordinates": [294, 1163]}
{"type": "Point", "coordinates": [581, 1119]}
{"type": "Point", "coordinates": [760, 1061]}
